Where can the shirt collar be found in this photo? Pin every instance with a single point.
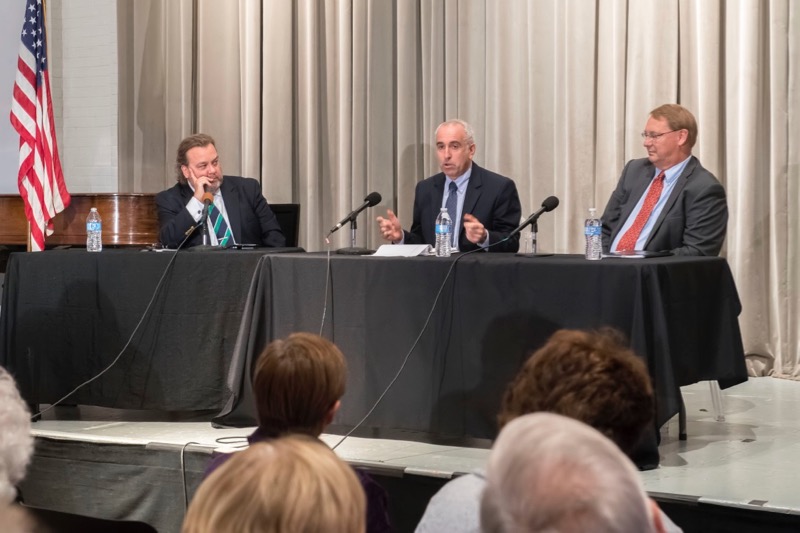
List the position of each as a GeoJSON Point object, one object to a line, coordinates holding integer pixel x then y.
{"type": "Point", "coordinates": [461, 181]}
{"type": "Point", "coordinates": [673, 172]}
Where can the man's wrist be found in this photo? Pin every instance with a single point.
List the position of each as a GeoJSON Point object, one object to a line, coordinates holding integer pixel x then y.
{"type": "Point", "coordinates": [485, 242]}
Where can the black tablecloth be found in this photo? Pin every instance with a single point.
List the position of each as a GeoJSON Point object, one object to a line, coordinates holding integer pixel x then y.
{"type": "Point", "coordinates": [66, 314]}
{"type": "Point", "coordinates": [495, 309]}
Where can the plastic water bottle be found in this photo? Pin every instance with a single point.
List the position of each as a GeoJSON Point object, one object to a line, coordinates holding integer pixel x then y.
{"type": "Point", "coordinates": [94, 232]}
{"type": "Point", "coordinates": [444, 233]}
{"type": "Point", "coordinates": [592, 230]}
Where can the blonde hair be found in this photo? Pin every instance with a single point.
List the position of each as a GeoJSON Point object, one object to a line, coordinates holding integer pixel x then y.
{"type": "Point", "coordinates": [678, 118]}
{"type": "Point", "coordinates": [291, 484]}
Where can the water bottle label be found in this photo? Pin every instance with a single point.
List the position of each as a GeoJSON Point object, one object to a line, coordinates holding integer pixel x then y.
{"type": "Point", "coordinates": [441, 229]}
{"type": "Point", "coordinates": [591, 231]}
{"type": "Point", "coordinates": [94, 226]}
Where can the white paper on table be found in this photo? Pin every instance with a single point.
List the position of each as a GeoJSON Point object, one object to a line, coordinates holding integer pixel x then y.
{"type": "Point", "coordinates": [403, 250]}
{"type": "Point", "coordinates": [623, 256]}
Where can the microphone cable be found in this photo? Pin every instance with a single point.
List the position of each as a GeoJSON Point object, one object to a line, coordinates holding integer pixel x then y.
{"type": "Point", "coordinates": [327, 281]}
{"type": "Point", "coordinates": [130, 338]}
{"type": "Point", "coordinates": [237, 441]}
{"type": "Point", "coordinates": [416, 341]}
{"type": "Point", "coordinates": [183, 477]}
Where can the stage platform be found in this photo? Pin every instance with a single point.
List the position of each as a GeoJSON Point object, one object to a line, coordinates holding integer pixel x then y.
{"type": "Point", "coordinates": [739, 474]}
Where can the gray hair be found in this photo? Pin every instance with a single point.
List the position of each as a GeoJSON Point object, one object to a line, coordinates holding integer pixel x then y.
{"type": "Point", "coordinates": [16, 442]}
{"type": "Point", "coordinates": [469, 137]}
{"type": "Point", "coordinates": [550, 473]}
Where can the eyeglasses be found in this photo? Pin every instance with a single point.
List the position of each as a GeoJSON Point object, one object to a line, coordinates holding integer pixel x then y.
{"type": "Point", "coordinates": [655, 136]}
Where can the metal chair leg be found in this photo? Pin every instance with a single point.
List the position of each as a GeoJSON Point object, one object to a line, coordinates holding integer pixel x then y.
{"type": "Point", "coordinates": [682, 421]}
{"type": "Point", "coordinates": [717, 401]}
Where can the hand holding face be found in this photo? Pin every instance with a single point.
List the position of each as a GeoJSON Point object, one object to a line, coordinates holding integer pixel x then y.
{"type": "Point", "coordinates": [390, 227]}
{"type": "Point", "coordinates": [473, 229]}
{"type": "Point", "coordinates": [199, 183]}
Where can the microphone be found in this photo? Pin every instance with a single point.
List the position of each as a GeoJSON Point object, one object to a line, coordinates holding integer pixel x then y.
{"type": "Point", "coordinates": [550, 203]}
{"type": "Point", "coordinates": [208, 197]}
{"type": "Point", "coordinates": [372, 199]}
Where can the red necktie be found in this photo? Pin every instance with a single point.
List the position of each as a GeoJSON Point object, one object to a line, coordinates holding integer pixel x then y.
{"type": "Point", "coordinates": [628, 241]}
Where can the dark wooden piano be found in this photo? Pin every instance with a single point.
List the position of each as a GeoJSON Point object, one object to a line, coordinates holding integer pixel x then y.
{"type": "Point", "coordinates": [129, 220]}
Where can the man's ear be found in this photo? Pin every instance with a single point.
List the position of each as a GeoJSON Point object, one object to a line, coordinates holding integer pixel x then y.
{"type": "Point", "coordinates": [684, 139]}
{"type": "Point", "coordinates": [655, 516]}
{"type": "Point", "coordinates": [332, 412]}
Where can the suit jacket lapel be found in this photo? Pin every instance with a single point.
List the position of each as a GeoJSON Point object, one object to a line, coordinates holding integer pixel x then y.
{"type": "Point", "coordinates": [642, 183]}
{"type": "Point", "coordinates": [186, 193]}
{"type": "Point", "coordinates": [683, 179]}
{"type": "Point", "coordinates": [473, 190]}
{"type": "Point", "coordinates": [230, 195]}
{"type": "Point", "coordinates": [435, 197]}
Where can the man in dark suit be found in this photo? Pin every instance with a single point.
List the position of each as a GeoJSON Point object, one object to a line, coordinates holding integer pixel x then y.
{"type": "Point", "coordinates": [238, 214]}
{"type": "Point", "coordinates": [668, 201]}
{"type": "Point", "coordinates": [488, 207]}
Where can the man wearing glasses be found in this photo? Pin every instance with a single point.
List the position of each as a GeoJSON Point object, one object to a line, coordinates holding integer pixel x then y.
{"type": "Point", "coordinates": [667, 202]}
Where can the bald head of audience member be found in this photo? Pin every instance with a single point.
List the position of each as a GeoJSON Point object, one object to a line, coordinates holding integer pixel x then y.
{"type": "Point", "coordinates": [298, 383]}
{"type": "Point", "coordinates": [290, 484]}
{"type": "Point", "coordinates": [16, 442]}
{"type": "Point", "coordinates": [590, 376]}
{"type": "Point", "coordinates": [550, 473]}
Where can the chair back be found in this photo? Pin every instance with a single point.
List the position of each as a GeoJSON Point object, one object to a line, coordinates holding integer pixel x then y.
{"type": "Point", "coordinates": [288, 216]}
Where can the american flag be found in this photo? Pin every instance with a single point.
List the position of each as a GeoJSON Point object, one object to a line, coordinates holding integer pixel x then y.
{"type": "Point", "coordinates": [41, 181]}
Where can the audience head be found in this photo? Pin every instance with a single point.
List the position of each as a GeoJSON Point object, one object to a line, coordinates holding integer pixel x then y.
{"type": "Point", "coordinates": [291, 484]}
{"type": "Point", "coordinates": [551, 473]}
{"type": "Point", "coordinates": [590, 376]}
{"type": "Point", "coordinates": [16, 442]}
{"type": "Point", "coordinates": [298, 383]}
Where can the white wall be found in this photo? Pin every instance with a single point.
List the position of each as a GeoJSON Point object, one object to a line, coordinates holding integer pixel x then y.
{"type": "Point", "coordinates": [10, 26]}
{"type": "Point", "coordinates": [82, 46]}
{"type": "Point", "coordinates": [84, 82]}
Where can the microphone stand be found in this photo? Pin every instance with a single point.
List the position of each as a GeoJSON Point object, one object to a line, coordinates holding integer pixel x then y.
{"type": "Point", "coordinates": [534, 232]}
{"type": "Point", "coordinates": [205, 246]}
{"type": "Point", "coordinates": [353, 249]}
{"type": "Point", "coordinates": [204, 222]}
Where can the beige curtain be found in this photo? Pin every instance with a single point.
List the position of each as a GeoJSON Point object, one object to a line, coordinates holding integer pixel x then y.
{"type": "Point", "coordinates": [326, 101]}
{"type": "Point", "coordinates": [187, 66]}
{"type": "Point", "coordinates": [155, 80]}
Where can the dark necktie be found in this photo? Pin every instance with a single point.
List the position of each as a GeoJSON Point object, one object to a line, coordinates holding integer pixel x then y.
{"type": "Point", "coordinates": [452, 208]}
{"type": "Point", "coordinates": [628, 241]}
{"type": "Point", "coordinates": [221, 229]}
